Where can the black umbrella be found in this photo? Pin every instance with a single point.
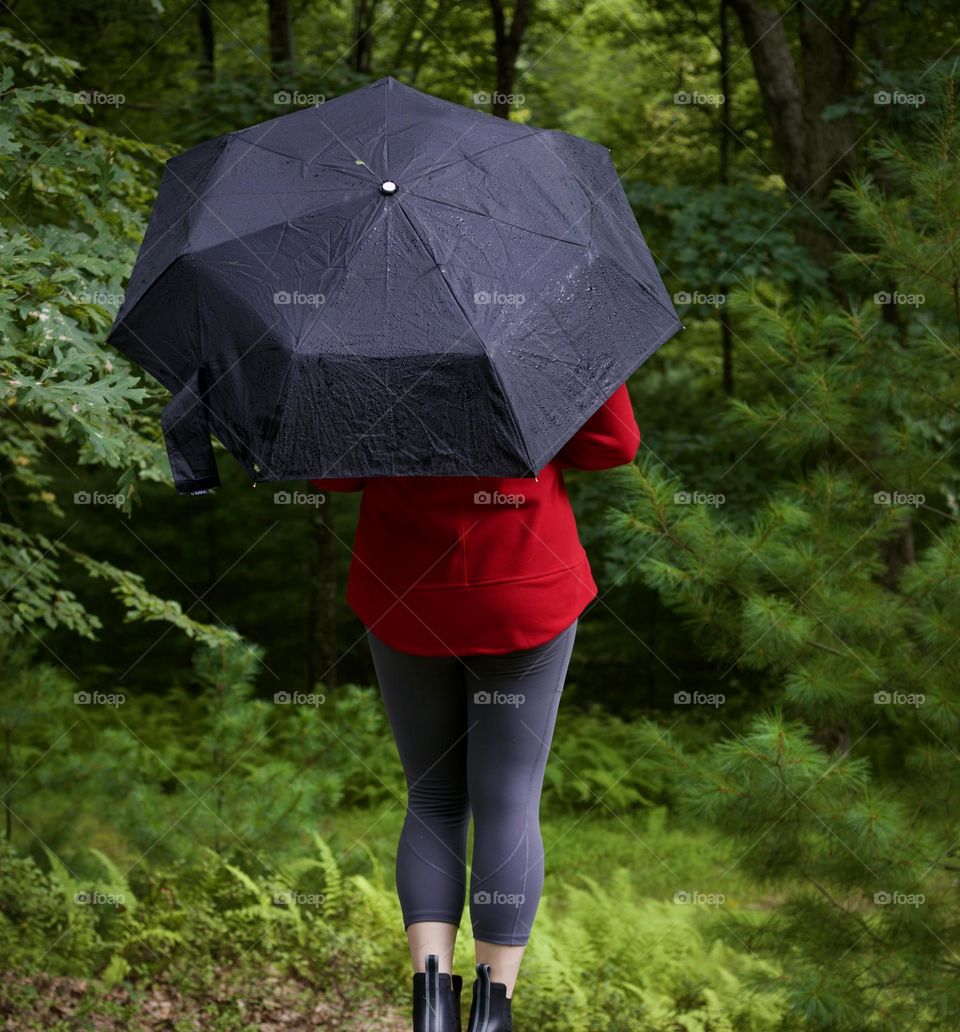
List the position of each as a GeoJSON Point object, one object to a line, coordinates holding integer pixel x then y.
{"type": "Point", "coordinates": [388, 284]}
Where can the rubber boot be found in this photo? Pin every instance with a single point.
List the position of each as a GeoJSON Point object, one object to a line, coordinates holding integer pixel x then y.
{"type": "Point", "coordinates": [490, 1010]}
{"type": "Point", "coordinates": [436, 999]}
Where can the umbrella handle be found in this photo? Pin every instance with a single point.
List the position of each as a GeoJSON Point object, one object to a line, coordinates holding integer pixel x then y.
{"type": "Point", "coordinates": [187, 436]}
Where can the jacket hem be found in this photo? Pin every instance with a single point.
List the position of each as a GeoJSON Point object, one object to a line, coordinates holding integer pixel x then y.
{"type": "Point", "coordinates": [484, 619]}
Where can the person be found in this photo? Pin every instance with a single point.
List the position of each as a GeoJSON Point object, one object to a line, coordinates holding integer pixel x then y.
{"type": "Point", "coordinates": [470, 590]}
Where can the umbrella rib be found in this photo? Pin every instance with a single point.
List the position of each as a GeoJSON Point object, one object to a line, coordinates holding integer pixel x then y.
{"type": "Point", "coordinates": [547, 236]}
{"type": "Point", "coordinates": [242, 238]}
{"type": "Point", "coordinates": [493, 218]}
{"type": "Point", "coordinates": [307, 161]}
{"type": "Point", "coordinates": [493, 365]}
{"type": "Point", "coordinates": [643, 286]}
{"type": "Point", "coordinates": [476, 154]}
{"type": "Point", "coordinates": [361, 236]}
{"type": "Point", "coordinates": [358, 161]}
{"type": "Point", "coordinates": [383, 131]}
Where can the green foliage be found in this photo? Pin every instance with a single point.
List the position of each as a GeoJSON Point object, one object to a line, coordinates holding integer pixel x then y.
{"type": "Point", "coordinates": [660, 962]}
{"type": "Point", "coordinates": [838, 588]}
{"type": "Point", "coordinates": [820, 796]}
{"type": "Point", "coordinates": [193, 916]}
{"type": "Point", "coordinates": [209, 767]}
{"type": "Point", "coordinates": [73, 212]}
{"type": "Point", "coordinates": [611, 961]}
{"type": "Point", "coordinates": [598, 756]}
{"type": "Point", "coordinates": [718, 236]}
{"type": "Point", "coordinates": [202, 811]}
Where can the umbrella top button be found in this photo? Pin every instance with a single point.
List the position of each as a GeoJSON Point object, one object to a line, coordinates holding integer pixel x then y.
{"type": "Point", "coordinates": [388, 187]}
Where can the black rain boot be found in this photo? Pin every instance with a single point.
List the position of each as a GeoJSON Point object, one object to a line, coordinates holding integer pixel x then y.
{"type": "Point", "coordinates": [436, 999]}
{"type": "Point", "coordinates": [490, 1010]}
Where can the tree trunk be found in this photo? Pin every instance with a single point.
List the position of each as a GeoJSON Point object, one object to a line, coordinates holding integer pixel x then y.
{"type": "Point", "coordinates": [813, 153]}
{"type": "Point", "coordinates": [780, 89]}
{"type": "Point", "coordinates": [205, 66]}
{"type": "Point", "coordinates": [322, 654]}
{"type": "Point", "coordinates": [726, 141]}
{"type": "Point", "coordinates": [829, 71]}
{"type": "Point", "coordinates": [898, 553]}
{"type": "Point", "coordinates": [361, 57]}
{"type": "Point", "coordinates": [507, 43]}
{"type": "Point", "coordinates": [281, 37]}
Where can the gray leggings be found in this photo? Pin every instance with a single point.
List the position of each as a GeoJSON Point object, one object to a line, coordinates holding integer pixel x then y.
{"type": "Point", "coordinates": [473, 735]}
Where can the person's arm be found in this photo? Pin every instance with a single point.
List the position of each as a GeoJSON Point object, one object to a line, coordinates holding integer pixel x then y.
{"type": "Point", "coordinates": [610, 437]}
{"type": "Point", "coordinates": [339, 484]}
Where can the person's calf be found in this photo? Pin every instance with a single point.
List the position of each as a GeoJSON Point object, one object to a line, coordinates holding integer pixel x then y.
{"type": "Point", "coordinates": [504, 962]}
{"type": "Point", "coordinates": [435, 938]}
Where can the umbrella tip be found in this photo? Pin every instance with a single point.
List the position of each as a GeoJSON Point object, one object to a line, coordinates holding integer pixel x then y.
{"type": "Point", "coordinates": [388, 187]}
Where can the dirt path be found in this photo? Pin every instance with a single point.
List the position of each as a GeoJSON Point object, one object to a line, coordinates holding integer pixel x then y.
{"type": "Point", "coordinates": [272, 1004]}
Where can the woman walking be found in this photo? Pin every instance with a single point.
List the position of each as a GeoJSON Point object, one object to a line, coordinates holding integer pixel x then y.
{"type": "Point", "coordinates": [470, 590]}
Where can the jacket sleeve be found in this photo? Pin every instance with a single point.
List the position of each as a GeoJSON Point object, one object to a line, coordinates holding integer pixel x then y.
{"type": "Point", "coordinates": [339, 484]}
{"type": "Point", "coordinates": [610, 437]}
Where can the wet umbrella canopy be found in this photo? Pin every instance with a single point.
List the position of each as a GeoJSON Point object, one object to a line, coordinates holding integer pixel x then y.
{"type": "Point", "coordinates": [388, 284]}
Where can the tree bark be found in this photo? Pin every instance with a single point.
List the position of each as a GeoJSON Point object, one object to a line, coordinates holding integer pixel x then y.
{"type": "Point", "coordinates": [829, 71]}
{"type": "Point", "coordinates": [726, 141]}
{"type": "Point", "coordinates": [813, 153]}
{"type": "Point", "coordinates": [280, 28]}
{"type": "Point", "coordinates": [507, 43]}
{"type": "Point", "coordinates": [780, 88]}
{"type": "Point", "coordinates": [361, 57]}
{"type": "Point", "coordinates": [898, 553]}
{"type": "Point", "coordinates": [205, 66]}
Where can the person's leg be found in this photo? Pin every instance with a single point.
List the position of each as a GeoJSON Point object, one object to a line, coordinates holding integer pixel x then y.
{"type": "Point", "coordinates": [513, 701]}
{"type": "Point", "coordinates": [426, 705]}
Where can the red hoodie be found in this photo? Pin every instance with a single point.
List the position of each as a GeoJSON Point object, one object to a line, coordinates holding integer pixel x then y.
{"type": "Point", "coordinates": [479, 565]}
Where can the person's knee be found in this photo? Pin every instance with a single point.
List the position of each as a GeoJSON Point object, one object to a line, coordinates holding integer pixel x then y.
{"type": "Point", "coordinates": [498, 799]}
{"type": "Point", "coordinates": [439, 800]}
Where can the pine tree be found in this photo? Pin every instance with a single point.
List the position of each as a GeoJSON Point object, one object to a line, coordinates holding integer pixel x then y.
{"type": "Point", "coordinates": [837, 586]}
